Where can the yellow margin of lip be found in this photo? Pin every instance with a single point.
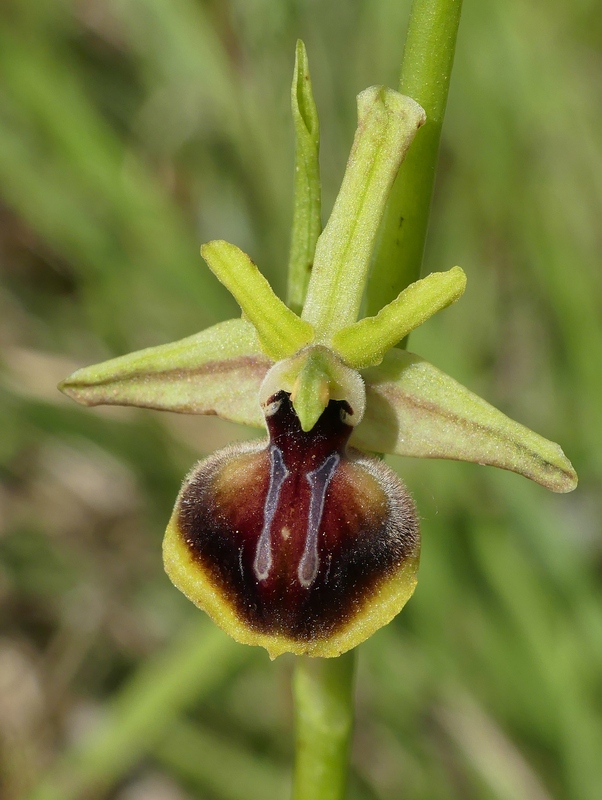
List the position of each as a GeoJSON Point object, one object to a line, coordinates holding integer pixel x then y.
{"type": "Point", "coordinates": [193, 581]}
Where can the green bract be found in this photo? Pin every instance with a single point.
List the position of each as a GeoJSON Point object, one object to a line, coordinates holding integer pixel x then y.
{"type": "Point", "coordinates": [321, 369]}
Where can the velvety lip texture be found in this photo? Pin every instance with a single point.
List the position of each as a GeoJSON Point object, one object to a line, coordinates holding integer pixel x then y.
{"type": "Point", "coordinates": [296, 534]}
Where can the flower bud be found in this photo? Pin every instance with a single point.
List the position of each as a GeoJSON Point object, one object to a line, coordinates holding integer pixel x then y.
{"type": "Point", "coordinates": [297, 543]}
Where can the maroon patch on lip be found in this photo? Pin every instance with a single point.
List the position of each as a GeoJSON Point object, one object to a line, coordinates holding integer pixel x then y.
{"type": "Point", "coordinates": [297, 534]}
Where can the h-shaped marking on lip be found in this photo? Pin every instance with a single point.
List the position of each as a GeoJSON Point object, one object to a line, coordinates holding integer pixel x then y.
{"type": "Point", "coordinates": [319, 480]}
{"type": "Point", "coordinates": [263, 554]}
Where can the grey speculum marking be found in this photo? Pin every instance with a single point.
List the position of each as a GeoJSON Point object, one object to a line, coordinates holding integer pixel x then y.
{"type": "Point", "coordinates": [319, 480]}
{"type": "Point", "coordinates": [263, 554]}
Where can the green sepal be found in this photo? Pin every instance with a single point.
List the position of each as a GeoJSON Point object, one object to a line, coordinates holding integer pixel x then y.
{"type": "Point", "coordinates": [365, 343]}
{"type": "Point", "coordinates": [387, 123]}
{"type": "Point", "coordinates": [218, 371]}
{"type": "Point", "coordinates": [307, 204]}
{"type": "Point", "coordinates": [280, 331]}
{"type": "Point", "coordinates": [313, 377]}
{"type": "Point", "coordinates": [414, 409]}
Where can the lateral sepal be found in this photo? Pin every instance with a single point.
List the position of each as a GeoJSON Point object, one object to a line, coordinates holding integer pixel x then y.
{"type": "Point", "coordinates": [217, 371]}
{"type": "Point", "coordinates": [415, 409]}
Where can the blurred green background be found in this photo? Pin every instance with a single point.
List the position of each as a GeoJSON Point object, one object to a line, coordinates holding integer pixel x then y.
{"type": "Point", "coordinates": [130, 132]}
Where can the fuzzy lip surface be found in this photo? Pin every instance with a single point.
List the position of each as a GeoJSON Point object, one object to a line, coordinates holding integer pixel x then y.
{"type": "Point", "coordinates": [296, 536]}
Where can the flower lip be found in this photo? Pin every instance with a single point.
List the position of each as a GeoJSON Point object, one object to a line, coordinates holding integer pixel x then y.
{"type": "Point", "coordinates": [296, 543]}
{"type": "Point", "coordinates": [304, 449]}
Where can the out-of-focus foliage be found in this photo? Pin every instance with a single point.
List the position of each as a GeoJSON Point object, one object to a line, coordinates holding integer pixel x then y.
{"type": "Point", "coordinates": [133, 130]}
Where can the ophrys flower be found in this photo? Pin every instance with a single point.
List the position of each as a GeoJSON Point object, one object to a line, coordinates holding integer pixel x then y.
{"type": "Point", "coordinates": [301, 542]}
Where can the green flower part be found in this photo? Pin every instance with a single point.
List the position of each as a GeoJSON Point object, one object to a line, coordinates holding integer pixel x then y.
{"type": "Point", "coordinates": [301, 542]}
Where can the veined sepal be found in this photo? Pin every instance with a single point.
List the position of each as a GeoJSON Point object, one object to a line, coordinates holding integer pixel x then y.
{"type": "Point", "coordinates": [415, 409]}
{"type": "Point", "coordinates": [217, 371]}
{"type": "Point", "coordinates": [387, 124]}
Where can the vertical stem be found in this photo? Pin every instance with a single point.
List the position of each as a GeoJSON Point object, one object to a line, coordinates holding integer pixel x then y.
{"type": "Point", "coordinates": [323, 688]}
{"type": "Point", "coordinates": [323, 691]}
{"type": "Point", "coordinates": [425, 74]}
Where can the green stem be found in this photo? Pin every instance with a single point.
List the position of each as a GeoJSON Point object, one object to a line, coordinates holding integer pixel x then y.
{"type": "Point", "coordinates": [425, 73]}
{"type": "Point", "coordinates": [323, 690]}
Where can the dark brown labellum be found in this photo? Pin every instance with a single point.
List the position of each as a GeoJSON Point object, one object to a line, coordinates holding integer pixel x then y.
{"type": "Point", "coordinates": [297, 543]}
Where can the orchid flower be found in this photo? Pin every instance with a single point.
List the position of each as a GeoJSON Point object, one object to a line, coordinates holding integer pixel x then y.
{"type": "Point", "coordinates": [302, 541]}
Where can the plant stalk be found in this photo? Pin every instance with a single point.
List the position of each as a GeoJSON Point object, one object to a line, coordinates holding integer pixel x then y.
{"type": "Point", "coordinates": [323, 692]}
{"type": "Point", "coordinates": [425, 74]}
{"type": "Point", "coordinates": [323, 688]}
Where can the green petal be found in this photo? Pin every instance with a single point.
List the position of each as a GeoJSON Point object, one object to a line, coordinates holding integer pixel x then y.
{"type": "Point", "coordinates": [281, 332]}
{"type": "Point", "coordinates": [365, 343]}
{"type": "Point", "coordinates": [414, 409]}
{"type": "Point", "coordinates": [218, 371]}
